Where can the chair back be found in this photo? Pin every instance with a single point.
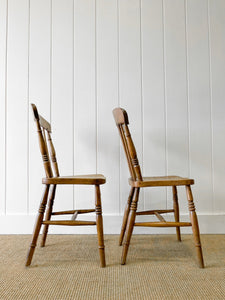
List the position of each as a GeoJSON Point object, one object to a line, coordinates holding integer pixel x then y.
{"type": "Point", "coordinates": [45, 144]}
{"type": "Point", "coordinates": [122, 122]}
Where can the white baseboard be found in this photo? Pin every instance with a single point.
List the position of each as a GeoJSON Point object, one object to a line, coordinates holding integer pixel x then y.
{"type": "Point", "coordinates": [23, 224]}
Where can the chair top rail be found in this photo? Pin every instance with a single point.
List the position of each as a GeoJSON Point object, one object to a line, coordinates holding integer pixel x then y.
{"type": "Point", "coordinates": [45, 144]}
{"type": "Point", "coordinates": [43, 123]}
{"type": "Point", "coordinates": [122, 122]}
{"type": "Point", "coordinates": [120, 116]}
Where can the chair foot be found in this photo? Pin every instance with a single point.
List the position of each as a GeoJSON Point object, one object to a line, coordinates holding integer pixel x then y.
{"type": "Point", "coordinates": [178, 234]}
{"type": "Point", "coordinates": [30, 255]}
{"type": "Point", "coordinates": [130, 226]}
{"type": "Point", "coordinates": [125, 217]}
{"type": "Point", "coordinates": [200, 256]}
{"type": "Point", "coordinates": [99, 223]}
{"type": "Point", "coordinates": [124, 254]}
{"type": "Point", "coordinates": [37, 226]}
{"type": "Point", "coordinates": [195, 227]}
{"type": "Point", "coordinates": [102, 257]}
{"type": "Point", "coordinates": [43, 241]}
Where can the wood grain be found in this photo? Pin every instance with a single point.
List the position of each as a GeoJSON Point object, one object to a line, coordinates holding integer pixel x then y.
{"type": "Point", "coordinates": [82, 179]}
{"type": "Point", "coordinates": [48, 155]}
{"type": "Point", "coordinates": [161, 181]}
{"type": "Point", "coordinates": [137, 181]}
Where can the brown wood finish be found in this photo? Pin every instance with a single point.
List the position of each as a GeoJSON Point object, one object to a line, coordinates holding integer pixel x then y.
{"type": "Point", "coordinates": [130, 225]}
{"type": "Point", "coordinates": [69, 223]}
{"type": "Point", "coordinates": [161, 181]}
{"type": "Point", "coordinates": [159, 217]}
{"type": "Point", "coordinates": [72, 212]}
{"type": "Point", "coordinates": [37, 227]}
{"type": "Point", "coordinates": [82, 179]}
{"type": "Point", "coordinates": [195, 228]}
{"type": "Point", "coordinates": [152, 212]}
{"type": "Point", "coordinates": [137, 181]}
{"type": "Point", "coordinates": [162, 224]}
{"type": "Point", "coordinates": [176, 211]}
{"type": "Point", "coordinates": [125, 217]}
{"type": "Point", "coordinates": [50, 182]}
{"type": "Point", "coordinates": [48, 214]}
{"type": "Point", "coordinates": [99, 221]}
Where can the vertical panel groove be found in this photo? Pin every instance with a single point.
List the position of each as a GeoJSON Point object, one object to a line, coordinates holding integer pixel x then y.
{"type": "Point", "coordinates": [165, 99]}
{"type": "Point", "coordinates": [6, 83]}
{"type": "Point", "coordinates": [141, 92]}
{"type": "Point", "coordinates": [187, 86]}
{"type": "Point", "coordinates": [211, 107]}
{"type": "Point", "coordinates": [118, 54]}
{"type": "Point", "coordinates": [96, 93]}
{"type": "Point", "coordinates": [51, 61]}
{"type": "Point", "coordinates": [73, 97]}
{"type": "Point", "coordinates": [200, 101]}
{"type": "Point", "coordinates": [28, 99]}
{"type": "Point", "coordinates": [75, 100]}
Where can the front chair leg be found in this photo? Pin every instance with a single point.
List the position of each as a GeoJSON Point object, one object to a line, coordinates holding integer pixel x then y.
{"type": "Point", "coordinates": [195, 228]}
{"type": "Point", "coordinates": [130, 226]}
{"type": "Point", "coordinates": [48, 214]}
{"type": "Point", "coordinates": [125, 217]}
{"type": "Point", "coordinates": [176, 211]}
{"type": "Point", "coordinates": [37, 226]}
{"type": "Point", "coordinates": [99, 223]}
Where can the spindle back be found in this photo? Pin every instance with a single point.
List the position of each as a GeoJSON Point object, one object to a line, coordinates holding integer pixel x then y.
{"type": "Point", "coordinates": [122, 122]}
{"type": "Point", "coordinates": [46, 145]}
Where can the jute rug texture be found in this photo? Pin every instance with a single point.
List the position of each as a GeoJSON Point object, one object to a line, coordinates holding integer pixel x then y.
{"type": "Point", "coordinates": [158, 267]}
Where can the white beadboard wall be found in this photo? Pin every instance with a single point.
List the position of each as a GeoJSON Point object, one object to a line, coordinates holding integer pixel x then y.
{"type": "Point", "coordinates": [161, 60]}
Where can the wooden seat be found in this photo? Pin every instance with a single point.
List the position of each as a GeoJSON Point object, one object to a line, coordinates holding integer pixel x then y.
{"type": "Point", "coordinates": [137, 181]}
{"type": "Point", "coordinates": [161, 181]}
{"type": "Point", "coordinates": [80, 179]}
{"type": "Point", "coordinates": [50, 182]}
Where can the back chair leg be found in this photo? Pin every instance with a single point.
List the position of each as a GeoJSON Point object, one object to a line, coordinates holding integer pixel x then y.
{"type": "Point", "coordinates": [48, 214]}
{"type": "Point", "coordinates": [125, 217]}
{"type": "Point", "coordinates": [38, 225]}
{"type": "Point", "coordinates": [130, 225]}
{"type": "Point", "coordinates": [176, 211]}
{"type": "Point", "coordinates": [195, 228]}
{"type": "Point", "coordinates": [99, 223]}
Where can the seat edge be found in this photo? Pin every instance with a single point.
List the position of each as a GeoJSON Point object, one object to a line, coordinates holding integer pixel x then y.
{"type": "Point", "coordinates": [82, 180]}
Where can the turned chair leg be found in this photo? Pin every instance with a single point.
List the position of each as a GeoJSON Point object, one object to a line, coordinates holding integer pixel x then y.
{"type": "Point", "coordinates": [130, 226]}
{"type": "Point", "coordinates": [176, 211]}
{"type": "Point", "coordinates": [48, 214]}
{"type": "Point", "coordinates": [195, 228]}
{"type": "Point", "coordinates": [99, 223]}
{"type": "Point", "coordinates": [125, 217]}
{"type": "Point", "coordinates": [38, 225]}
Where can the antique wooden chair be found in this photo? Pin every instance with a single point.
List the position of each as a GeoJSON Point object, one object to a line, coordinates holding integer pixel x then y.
{"type": "Point", "coordinates": [50, 182]}
{"type": "Point", "coordinates": [137, 181]}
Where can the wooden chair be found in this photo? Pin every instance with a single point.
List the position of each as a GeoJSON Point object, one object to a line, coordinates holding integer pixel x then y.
{"type": "Point", "coordinates": [50, 182]}
{"type": "Point", "coordinates": [137, 181]}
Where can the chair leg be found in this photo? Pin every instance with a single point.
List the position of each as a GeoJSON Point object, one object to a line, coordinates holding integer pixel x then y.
{"type": "Point", "coordinates": [99, 223]}
{"type": "Point", "coordinates": [38, 225]}
{"type": "Point", "coordinates": [195, 228]}
{"type": "Point", "coordinates": [125, 217]}
{"type": "Point", "coordinates": [48, 214]}
{"type": "Point", "coordinates": [130, 226]}
{"type": "Point", "coordinates": [176, 211]}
